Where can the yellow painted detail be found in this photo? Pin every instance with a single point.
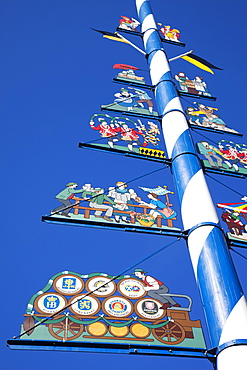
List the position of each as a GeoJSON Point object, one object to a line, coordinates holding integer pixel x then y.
{"type": "Point", "coordinates": [198, 64]}
{"type": "Point", "coordinates": [152, 152]}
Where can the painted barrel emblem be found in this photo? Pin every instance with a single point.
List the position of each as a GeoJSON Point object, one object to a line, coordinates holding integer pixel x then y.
{"type": "Point", "coordinates": [117, 306]}
{"type": "Point", "coordinates": [68, 284]}
{"type": "Point", "coordinates": [119, 332]}
{"type": "Point", "coordinates": [104, 286]}
{"type": "Point", "coordinates": [97, 329]}
{"type": "Point", "coordinates": [50, 303]}
{"type": "Point", "coordinates": [149, 308]}
{"type": "Point", "coordinates": [139, 330]}
{"type": "Point", "coordinates": [131, 288]}
{"type": "Point", "coordinates": [84, 305]}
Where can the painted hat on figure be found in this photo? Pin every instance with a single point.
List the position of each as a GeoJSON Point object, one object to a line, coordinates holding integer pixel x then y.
{"type": "Point", "coordinates": [139, 270]}
{"type": "Point", "coordinates": [98, 189]}
{"type": "Point", "coordinates": [101, 120]}
{"type": "Point", "coordinates": [71, 183]}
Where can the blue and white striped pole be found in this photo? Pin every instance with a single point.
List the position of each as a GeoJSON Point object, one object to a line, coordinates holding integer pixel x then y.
{"type": "Point", "coordinates": [222, 296]}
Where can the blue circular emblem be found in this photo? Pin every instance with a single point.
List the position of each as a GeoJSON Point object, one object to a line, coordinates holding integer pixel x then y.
{"type": "Point", "coordinates": [84, 304]}
{"type": "Point", "coordinates": [51, 302]}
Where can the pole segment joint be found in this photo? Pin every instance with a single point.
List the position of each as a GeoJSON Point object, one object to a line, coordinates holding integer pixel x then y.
{"type": "Point", "coordinates": [217, 350]}
{"type": "Point", "coordinates": [188, 232]}
{"type": "Point", "coordinates": [231, 343]}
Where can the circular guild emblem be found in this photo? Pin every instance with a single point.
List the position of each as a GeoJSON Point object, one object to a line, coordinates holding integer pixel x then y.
{"type": "Point", "coordinates": [104, 286]}
{"type": "Point", "coordinates": [117, 306]}
{"type": "Point", "coordinates": [84, 305]}
{"type": "Point", "coordinates": [149, 308]}
{"type": "Point", "coordinates": [68, 284]}
{"type": "Point", "coordinates": [50, 303]}
{"type": "Point", "coordinates": [131, 288]}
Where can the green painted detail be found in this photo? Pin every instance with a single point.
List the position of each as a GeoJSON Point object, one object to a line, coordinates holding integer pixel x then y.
{"type": "Point", "coordinates": [88, 322]}
{"type": "Point", "coordinates": [42, 333]}
{"type": "Point", "coordinates": [224, 168]}
{"type": "Point", "coordinates": [153, 326]}
{"type": "Point", "coordinates": [117, 107]}
{"type": "Point", "coordinates": [118, 325]}
{"type": "Point", "coordinates": [84, 322]}
{"type": "Point", "coordinates": [53, 321]}
{"type": "Point", "coordinates": [119, 147]}
{"type": "Point", "coordinates": [130, 80]}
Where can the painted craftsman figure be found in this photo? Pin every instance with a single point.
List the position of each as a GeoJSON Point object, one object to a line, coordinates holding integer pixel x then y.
{"type": "Point", "coordinates": [130, 74]}
{"type": "Point", "coordinates": [97, 202]}
{"type": "Point", "coordinates": [201, 86]}
{"type": "Point", "coordinates": [143, 97]}
{"type": "Point", "coordinates": [126, 99]}
{"type": "Point", "coordinates": [65, 197]}
{"type": "Point", "coordinates": [185, 84]}
{"type": "Point", "coordinates": [156, 289]}
{"type": "Point", "coordinates": [123, 198]}
{"type": "Point", "coordinates": [233, 221]}
{"type": "Point", "coordinates": [209, 153]}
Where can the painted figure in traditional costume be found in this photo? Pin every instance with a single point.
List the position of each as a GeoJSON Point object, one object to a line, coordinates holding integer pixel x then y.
{"type": "Point", "coordinates": [143, 97]}
{"type": "Point", "coordinates": [201, 86]}
{"type": "Point", "coordinates": [65, 197]}
{"type": "Point", "coordinates": [230, 152]}
{"type": "Point", "coordinates": [117, 129]}
{"type": "Point", "coordinates": [158, 207]}
{"type": "Point", "coordinates": [130, 74]}
{"type": "Point", "coordinates": [233, 221]}
{"type": "Point", "coordinates": [169, 33]}
{"type": "Point", "coordinates": [208, 111]}
{"type": "Point", "coordinates": [111, 132]}
{"type": "Point", "coordinates": [182, 79]}
{"type": "Point", "coordinates": [211, 119]}
{"type": "Point", "coordinates": [195, 117]}
{"type": "Point", "coordinates": [196, 86]}
{"type": "Point", "coordinates": [216, 122]}
{"type": "Point", "coordinates": [126, 99]}
{"type": "Point", "coordinates": [209, 153]}
{"type": "Point", "coordinates": [97, 201]}
{"type": "Point", "coordinates": [130, 135]}
{"type": "Point", "coordinates": [242, 154]}
{"type": "Point", "coordinates": [127, 23]}
{"type": "Point", "coordinates": [150, 135]}
{"type": "Point", "coordinates": [123, 198]}
{"type": "Point", "coordinates": [185, 84]}
{"type": "Point", "coordinates": [156, 289]}
{"type": "Point", "coordinates": [206, 117]}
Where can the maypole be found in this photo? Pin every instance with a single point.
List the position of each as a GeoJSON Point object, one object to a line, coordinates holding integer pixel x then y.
{"type": "Point", "coordinates": [221, 293]}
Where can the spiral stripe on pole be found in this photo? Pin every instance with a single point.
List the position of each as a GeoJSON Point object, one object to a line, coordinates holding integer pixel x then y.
{"type": "Point", "coordinates": [221, 293]}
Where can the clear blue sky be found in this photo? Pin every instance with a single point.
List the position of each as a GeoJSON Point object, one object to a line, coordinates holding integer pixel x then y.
{"type": "Point", "coordinates": [55, 72]}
